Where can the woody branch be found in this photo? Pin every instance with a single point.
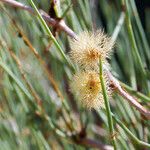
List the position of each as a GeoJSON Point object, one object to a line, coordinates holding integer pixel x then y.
{"type": "Point", "coordinates": [60, 24]}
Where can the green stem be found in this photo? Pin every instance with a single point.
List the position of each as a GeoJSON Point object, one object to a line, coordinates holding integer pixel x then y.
{"type": "Point", "coordinates": [132, 39]}
{"type": "Point", "coordinates": [135, 52]}
{"type": "Point", "coordinates": [50, 34]}
{"type": "Point", "coordinates": [17, 81]}
{"type": "Point", "coordinates": [134, 138]}
{"type": "Point", "coordinates": [54, 128]}
{"type": "Point", "coordinates": [141, 31]}
{"type": "Point", "coordinates": [133, 43]}
{"type": "Point", "coordinates": [107, 105]}
{"type": "Point", "coordinates": [66, 11]}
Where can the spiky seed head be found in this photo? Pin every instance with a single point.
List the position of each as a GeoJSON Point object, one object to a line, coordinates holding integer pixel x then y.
{"type": "Point", "coordinates": [88, 90]}
{"type": "Point", "coordinates": [89, 47]}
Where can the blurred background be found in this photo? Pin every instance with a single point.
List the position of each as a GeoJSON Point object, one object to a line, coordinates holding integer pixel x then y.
{"type": "Point", "coordinates": [37, 109]}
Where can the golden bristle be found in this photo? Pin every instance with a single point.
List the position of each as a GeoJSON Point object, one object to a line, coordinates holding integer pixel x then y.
{"type": "Point", "coordinates": [87, 87]}
{"type": "Point", "coordinates": [89, 47]}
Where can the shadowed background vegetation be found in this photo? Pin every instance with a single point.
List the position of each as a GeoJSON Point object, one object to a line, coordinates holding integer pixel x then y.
{"type": "Point", "coordinates": [37, 109]}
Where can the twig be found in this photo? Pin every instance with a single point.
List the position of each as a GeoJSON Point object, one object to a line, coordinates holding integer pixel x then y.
{"type": "Point", "coordinates": [128, 97]}
{"type": "Point", "coordinates": [37, 98]}
{"type": "Point", "coordinates": [18, 5]}
{"type": "Point", "coordinates": [59, 48]}
{"type": "Point", "coordinates": [60, 24]}
{"type": "Point", "coordinates": [11, 74]}
{"type": "Point", "coordinates": [139, 95]}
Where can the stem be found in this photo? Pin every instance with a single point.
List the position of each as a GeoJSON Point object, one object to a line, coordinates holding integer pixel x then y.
{"type": "Point", "coordinates": [51, 21]}
{"type": "Point", "coordinates": [127, 96]}
{"type": "Point", "coordinates": [107, 105]}
{"type": "Point", "coordinates": [136, 140]}
{"type": "Point", "coordinates": [10, 73]}
{"type": "Point", "coordinates": [135, 52]}
{"type": "Point", "coordinates": [49, 32]}
{"type": "Point", "coordinates": [66, 11]}
{"type": "Point", "coordinates": [141, 31]}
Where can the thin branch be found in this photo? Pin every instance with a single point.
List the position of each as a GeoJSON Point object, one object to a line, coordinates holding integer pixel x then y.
{"type": "Point", "coordinates": [60, 24]}
{"type": "Point", "coordinates": [18, 5]}
{"type": "Point", "coordinates": [139, 95]}
{"type": "Point", "coordinates": [128, 97]}
{"type": "Point", "coordinates": [33, 92]}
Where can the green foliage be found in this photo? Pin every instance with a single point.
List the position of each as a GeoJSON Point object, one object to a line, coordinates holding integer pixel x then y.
{"type": "Point", "coordinates": [37, 109]}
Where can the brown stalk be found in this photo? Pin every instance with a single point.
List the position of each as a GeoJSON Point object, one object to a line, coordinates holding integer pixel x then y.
{"type": "Point", "coordinates": [59, 24]}
{"type": "Point", "coordinates": [128, 97]}
{"type": "Point", "coordinates": [37, 98]}
{"type": "Point", "coordinates": [46, 69]}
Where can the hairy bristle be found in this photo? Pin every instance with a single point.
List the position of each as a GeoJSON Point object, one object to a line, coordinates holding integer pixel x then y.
{"type": "Point", "coordinates": [87, 87]}
{"type": "Point", "coordinates": [89, 47]}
